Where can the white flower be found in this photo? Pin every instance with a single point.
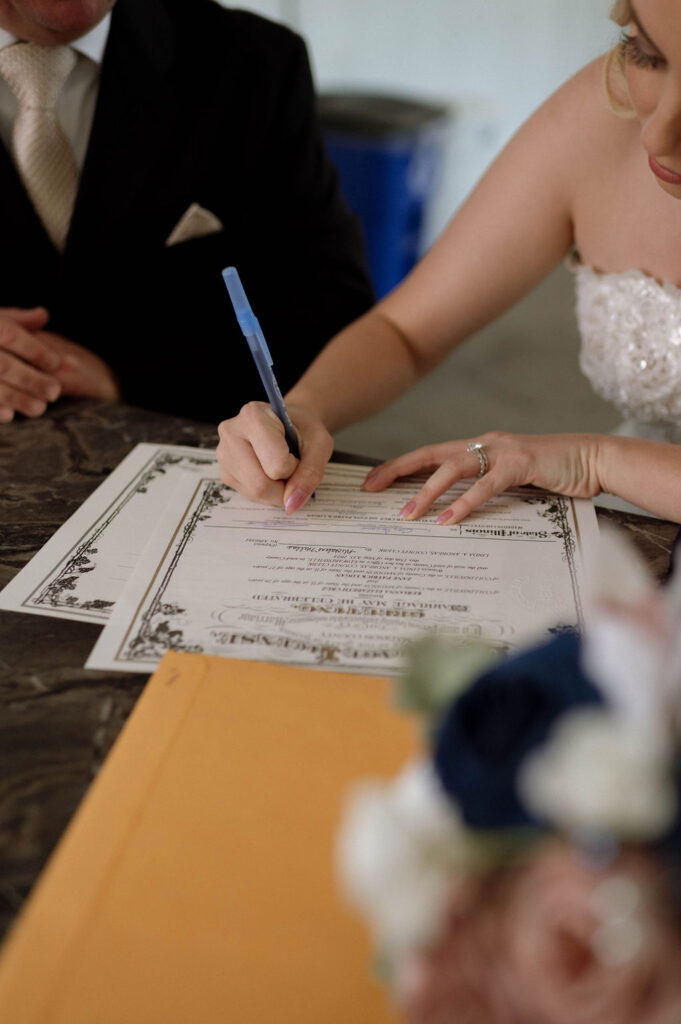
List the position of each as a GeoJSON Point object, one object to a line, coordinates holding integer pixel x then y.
{"type": "Point", "coordinates": [672, 597]}
{"type": "Point", "coordinates": [617, 573]}
{"type": "Point", "coordinates": [602, 773]}
{"type": "Point", "coordinates": [397, 849]}
{"type": "Point", "coordinates": [629, 662]}
{"type": "Point", "coordinates": [629, 633]}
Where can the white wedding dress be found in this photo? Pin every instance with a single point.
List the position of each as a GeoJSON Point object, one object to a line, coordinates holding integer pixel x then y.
{"type": "Point", "coordinates": [631, 348]}
{"type": "Point", "coordinates": [630, 326]}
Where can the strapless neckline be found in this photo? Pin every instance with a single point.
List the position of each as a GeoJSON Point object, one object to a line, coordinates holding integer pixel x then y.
{"type": "Point", "coordinates": [634, 274]}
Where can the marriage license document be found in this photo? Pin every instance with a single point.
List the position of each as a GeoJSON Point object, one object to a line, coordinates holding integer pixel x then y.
{"type": "Point", "coordinates": [344, 583]}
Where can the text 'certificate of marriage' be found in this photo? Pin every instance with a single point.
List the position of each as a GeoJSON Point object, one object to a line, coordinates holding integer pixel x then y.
{"type": "Point", "coordinates": [344, 583]}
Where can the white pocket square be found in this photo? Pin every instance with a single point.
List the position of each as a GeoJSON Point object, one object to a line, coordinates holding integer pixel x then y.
{"type": "Point", "coordinates": [195, 222]}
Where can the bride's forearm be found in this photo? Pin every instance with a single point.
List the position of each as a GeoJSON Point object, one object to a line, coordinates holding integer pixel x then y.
{"type": "Point", "coordinates": [360, 371]}
{"type": "Point", "coordinates": [647, 473]}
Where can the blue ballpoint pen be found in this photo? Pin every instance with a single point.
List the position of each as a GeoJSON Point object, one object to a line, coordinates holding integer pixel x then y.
{"type": "Point", "coordinates": [260, 352]}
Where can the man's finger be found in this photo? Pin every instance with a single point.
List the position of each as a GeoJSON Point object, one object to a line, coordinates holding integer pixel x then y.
{"type": "Point", "coordinates": [32, 319]}
{"type": "Point", "coordinates": [19, 401]}
{"type": "Point", "coordinates": [19, 376]}
{"type": "Point", "coordinates": [28, 347]}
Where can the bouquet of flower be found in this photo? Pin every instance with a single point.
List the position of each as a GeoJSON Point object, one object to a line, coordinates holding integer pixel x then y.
{"type": "Point", "coordinates": [528, 871]}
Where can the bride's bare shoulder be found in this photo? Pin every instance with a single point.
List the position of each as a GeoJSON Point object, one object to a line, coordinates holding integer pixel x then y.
{"type": "Point", "coordinates": [576, 133]}
{"type": "Point", "coordinates": [585, 113]}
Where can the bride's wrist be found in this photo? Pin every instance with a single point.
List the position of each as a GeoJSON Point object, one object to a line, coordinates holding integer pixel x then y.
{"type": "Point", "coordinates": [308, 404]}
{"type": "Point", "coordinates": [612, 467]}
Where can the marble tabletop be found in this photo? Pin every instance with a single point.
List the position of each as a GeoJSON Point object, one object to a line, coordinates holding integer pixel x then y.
{"type": "Point", "coordinates": [57, 720]}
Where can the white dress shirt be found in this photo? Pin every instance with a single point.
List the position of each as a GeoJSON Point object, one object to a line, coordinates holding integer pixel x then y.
{"type": "Point", "coordinates": [76, 104]}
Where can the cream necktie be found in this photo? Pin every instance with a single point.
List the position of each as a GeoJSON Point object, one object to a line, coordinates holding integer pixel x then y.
{"type": "Point", "coordinates": [36, 74]}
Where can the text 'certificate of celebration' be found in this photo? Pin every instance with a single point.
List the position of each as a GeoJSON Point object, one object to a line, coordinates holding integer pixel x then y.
{"type": "Point", "coordinates": [344, 583]}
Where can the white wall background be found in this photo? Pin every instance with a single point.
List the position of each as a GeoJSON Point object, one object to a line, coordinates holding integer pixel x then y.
{"type": "Point", "coordinates": [492, 60]}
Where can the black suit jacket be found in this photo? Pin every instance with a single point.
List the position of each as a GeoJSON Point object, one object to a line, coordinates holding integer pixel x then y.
{"type": "Point", "coordinates": [213, 106]}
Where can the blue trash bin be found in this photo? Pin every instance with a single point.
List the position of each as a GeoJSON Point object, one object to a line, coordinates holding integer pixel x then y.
{"type": "Point", "coordinates": [388, 152]}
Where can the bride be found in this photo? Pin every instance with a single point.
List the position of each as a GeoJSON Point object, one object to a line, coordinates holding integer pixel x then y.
{"type": "Point", "coordinates": [594, 174]}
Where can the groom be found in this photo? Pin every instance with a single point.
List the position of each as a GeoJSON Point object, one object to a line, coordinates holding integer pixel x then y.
{"type": "Point", "coordinates": [196, 146]}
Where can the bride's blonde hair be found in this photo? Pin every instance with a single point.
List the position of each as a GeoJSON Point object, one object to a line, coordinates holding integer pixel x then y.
{"type": "Point", "coordinates": [613, 67]}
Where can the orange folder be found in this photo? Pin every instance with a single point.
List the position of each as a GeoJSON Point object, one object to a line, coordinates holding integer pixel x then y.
{"type": "Point", "coordinates": [196, 883]}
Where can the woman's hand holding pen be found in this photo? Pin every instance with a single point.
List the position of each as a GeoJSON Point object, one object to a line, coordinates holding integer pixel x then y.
{"type": "Point", "coordinates": [255, 460]}
{"type": "Point", "coordinates": [564, 463]}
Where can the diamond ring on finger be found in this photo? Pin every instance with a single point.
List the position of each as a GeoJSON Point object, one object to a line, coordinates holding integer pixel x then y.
{"type": "Point", "coordinates": [477, 449]}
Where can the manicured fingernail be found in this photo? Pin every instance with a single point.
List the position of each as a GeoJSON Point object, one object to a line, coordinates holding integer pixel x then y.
{"type": "Point", "coordinates": [372, 475]}
{"type": "Point", "coordinates": [295, 500]}
{"type": "Point", "coordinates": [408, 509]}
{"type": "Point", "coordinates": [445, 517]}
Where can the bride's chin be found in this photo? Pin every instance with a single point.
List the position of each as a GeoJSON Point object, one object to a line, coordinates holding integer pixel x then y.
{"type": "Point", "coordinates": [673, 190]}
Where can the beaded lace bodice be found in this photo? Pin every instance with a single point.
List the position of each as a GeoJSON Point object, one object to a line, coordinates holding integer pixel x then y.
{"type": "Point", "coordinates": [631, 347]}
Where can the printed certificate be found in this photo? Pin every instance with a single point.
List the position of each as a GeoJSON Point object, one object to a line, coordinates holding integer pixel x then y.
{"type": "Point", "coordinates": [344, 583]}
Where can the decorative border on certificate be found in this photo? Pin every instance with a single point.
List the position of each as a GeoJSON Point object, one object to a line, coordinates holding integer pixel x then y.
{"type": "Point", "coordinates": [155, 635]}
{"type": "Point", "coordinates": [79, 573]}
{"type": "Point", "coordinates": [557, 511]}
{"type": "Point", "coordinates": [60, 589]}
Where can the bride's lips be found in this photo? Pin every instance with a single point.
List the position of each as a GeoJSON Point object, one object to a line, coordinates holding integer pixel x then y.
{"type": "Point", "coordinates": [663, 173]}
